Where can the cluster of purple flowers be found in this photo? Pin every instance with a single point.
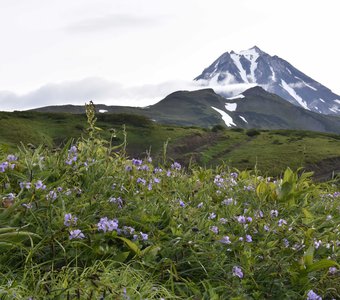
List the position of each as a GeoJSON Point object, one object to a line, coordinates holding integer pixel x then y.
{"type": "Point", "coordinates": [229, 201]}
{"type": "Point", "coordinates": [72, 155]}
{"type": "Point", "coordinates": [176, 166]}
{"type": "Point", "coordinates": [119, 201]}
{"type": "Point", "coordinates": [76, 234]}
{"type": "Point", "coordinates": [8, 164]}
{"type": "Point", "coordinates": [25, 185]}
{"type": "Point", "coordinates": [106, 224]}
{"type": "Point", "coordinates": [39, 185]}
{"type": "Point", "coordinates": [52, 195]}
{"type": "Point", "coordinates": [70, 220]}
{"type": "Point", "coordinates": [137, 162]}
{"type": "Point", "coordinates": [313, 296]}
{"type": "Point", "coordinates": [243, 220]}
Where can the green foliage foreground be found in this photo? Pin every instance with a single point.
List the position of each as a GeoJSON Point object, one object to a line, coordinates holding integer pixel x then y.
{"type": "Point", "coordinates": [88, 223]}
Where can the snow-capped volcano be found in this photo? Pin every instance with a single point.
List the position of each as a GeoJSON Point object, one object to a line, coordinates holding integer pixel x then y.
{"type": "Point", "coordinates": [274, 74]}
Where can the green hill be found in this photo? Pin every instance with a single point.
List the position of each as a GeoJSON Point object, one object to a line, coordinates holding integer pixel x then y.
{"type": "Point", "coordinates": [270, 150]}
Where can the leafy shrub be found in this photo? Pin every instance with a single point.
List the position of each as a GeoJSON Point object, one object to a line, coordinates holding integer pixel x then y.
{"type": "Point", "coordinates": [252, 132]}
{"type": "Point", "coordinates": [217, 128]}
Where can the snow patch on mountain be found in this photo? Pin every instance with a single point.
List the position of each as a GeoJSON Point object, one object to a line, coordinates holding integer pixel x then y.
{"type": "Point", "coordinates": [244, 119]}
{"type": "Point", "coordinates": [273, 74]}
{"type": "Point", "coordinates": [337, 101]}
{"type": "Point", "coordinates": [225, 117]}
{"type": "Point", "coordinates": [236, 58]}
{"type": "Point", "coordinates": [240, 96]}
{"type": "Point", "coordinates": [252, 55]}
{"type": "Point", "coordinates": [292, 92]}
{"type": "Point", "coordinates": [231, 106]}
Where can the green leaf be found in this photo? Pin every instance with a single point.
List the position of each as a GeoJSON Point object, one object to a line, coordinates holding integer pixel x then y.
{"type": "Point", "coordinates": [262, 190]}
{"type": "Point", "coordinates": [321, 264]}
{"type": "Point", "coordinates": [131, 245]}
{"type": "Point", "coordinates": [308, 214]}
{"type": "Point", "coordinates": [18, 236]}
{"type": "Point", "coordinates": [309, 256]}
{"type": "Point", "coordinates": [7, 229]}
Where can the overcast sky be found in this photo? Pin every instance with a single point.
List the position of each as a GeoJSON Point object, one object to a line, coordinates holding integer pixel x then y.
{"type": "Point", "coordinates": [134, 52]}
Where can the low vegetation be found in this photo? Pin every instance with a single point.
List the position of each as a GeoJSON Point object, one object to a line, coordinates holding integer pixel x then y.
{"type": "Point", "coordinates": [87, 222]}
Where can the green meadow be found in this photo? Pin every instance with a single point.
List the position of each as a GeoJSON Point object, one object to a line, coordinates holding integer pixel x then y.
{"type": "Point", "coordinates": [83, 219]}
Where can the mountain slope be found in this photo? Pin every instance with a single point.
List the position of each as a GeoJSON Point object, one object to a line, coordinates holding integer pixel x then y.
{"type": "Point", "coordinates": [254, 108]}
{"type": "Point", "coordinates": [275, 75]}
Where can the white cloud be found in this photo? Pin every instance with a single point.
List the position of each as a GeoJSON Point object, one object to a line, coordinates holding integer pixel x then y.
{"type": "Point", "coordinates": [107, 92]}
{"type": "Point", "coordinates": [114, 22]}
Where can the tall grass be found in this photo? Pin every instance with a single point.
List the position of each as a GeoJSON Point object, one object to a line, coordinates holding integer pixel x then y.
{"type": "Point", "coordinates": [87, 222]}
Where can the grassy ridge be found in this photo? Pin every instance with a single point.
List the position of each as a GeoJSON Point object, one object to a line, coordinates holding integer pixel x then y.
{"type": "Point", "coordinates": [85, 222]}
{"type": "Point", "coordinates": [271, 151]}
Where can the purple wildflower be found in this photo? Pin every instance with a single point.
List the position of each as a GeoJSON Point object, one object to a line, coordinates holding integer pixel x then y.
{"type": "Point", "coordinates": [228, 201]}
{"type": "Point", "coordinates": [52, 195]}
{"type": "Point", "coordinates": [282, 222]}
{"type": "Point", "coordinates": [105, 224]}
{"type": "Point", "coordinates": [237, 272]}
{"type": "Point", "coordinates": [141, 180]}
{"type": "Point", "coordinates": [223, 220]}
{"type": "Point", "coordinates": [249, 219]}
{"type": "Point", "coordinates": [70, 220]}
{"type": "Point", "coordinates": [144, 236]}
{"type": "Point", "coordinates": [144, 168]}
{"type": "Point", "coordinates": [157, 170]}
{"type": "Point", "coordinates": [249, 188]}
{"type": "Point", "coordinates": [313, 296]}
{"type": "Point", "coordinates": [274, 213]}
{"type": "Point", "coordinates": [214, 229]}
{"type": "Point", "coordinates": [128, 168]}
{"type": "Point", "coordinates": [249, 239]}
{"type": "Point", "coordinates": [241, 219]}
{"type": "Point", "coordinates": [117, 201]}
{"type": "Point", "coordinates": [176, 166]}
{"type": "Point", "coordinates": [266, 228]}
{"type": "Point", "coordinates": [212, 216]}
{"type": "Point", "coordinates": [10, 196]}
{"type": "Point", "coordinates": [168, 173]}
{"type": "Point", "coordinates": [317, 244]}
{"type": "Point", "coordinates": [156, 180]}
{"type": "Point", "coordinates": [181, 203]}
{"type": "Point", "coordinates": [3, 167]}
{"type": "Point", "coordinates": [11, 157]}
{"type": "Point", "coordinates": [137, 162]}
{"type": "Point", "coordinates": [28, 206]}
{"type": "Point", "coordinates": [76, 234]}
{"type": "Point", "coordinates": [128, 230]}
{"type": "Point", "coordinates": [225, 240]}
{"type": "Point", "coordinates": [39, 185]}
{"type": "Point", "coordinates": [200, 205]}
{"type": "Point", "coordinates": [286, 243]}
{"type": "Point", "coordinates": [332, 270]}
{"type": "Point", "coordinates": [218, 180]}
{"type": "Point", "coordinates": [233, 175]}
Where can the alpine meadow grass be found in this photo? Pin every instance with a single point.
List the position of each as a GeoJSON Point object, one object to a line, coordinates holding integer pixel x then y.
{"type": "Point", "coordinates": [88, 222]}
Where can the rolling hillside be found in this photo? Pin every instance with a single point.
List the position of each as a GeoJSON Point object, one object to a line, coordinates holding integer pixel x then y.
{"type": "Point", "coordinates": [270, 150]}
